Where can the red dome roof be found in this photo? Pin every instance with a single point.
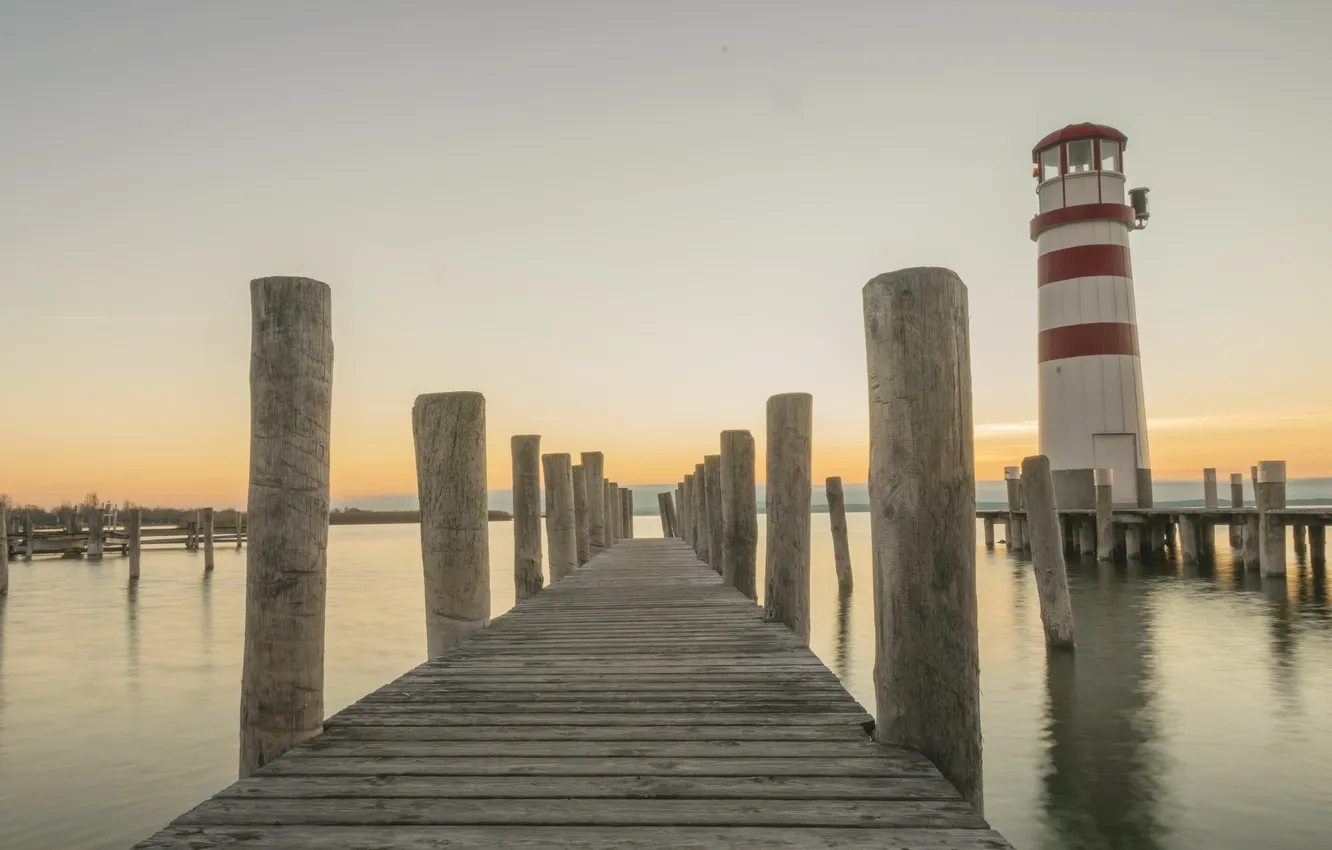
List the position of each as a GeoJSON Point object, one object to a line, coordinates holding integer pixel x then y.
{"type": "Point", "coordinates": [1078, 131]}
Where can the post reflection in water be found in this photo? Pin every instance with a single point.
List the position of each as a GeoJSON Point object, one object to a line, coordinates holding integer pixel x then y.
{"type": "Point", "coordinates": [132, 637]}
{"type": "Point", "coordinates": [1283, 642]}
{"type": "Point", "coordinates": [842, 655]}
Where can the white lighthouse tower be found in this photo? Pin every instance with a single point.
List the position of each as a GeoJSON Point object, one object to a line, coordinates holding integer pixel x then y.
{"type": "Point", "coordinates": [1091, 404]}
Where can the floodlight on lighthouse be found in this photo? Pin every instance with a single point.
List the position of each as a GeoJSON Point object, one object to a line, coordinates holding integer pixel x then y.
{"type": "Point", "coordinates": [1138, 200]}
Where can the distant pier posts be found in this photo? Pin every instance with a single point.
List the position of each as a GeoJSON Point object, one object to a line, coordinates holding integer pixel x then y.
{"type": "Point", "coordinates": [96, 533]}
{"type": "Point", "coordinates": [1047, 551]}
{"type": "Point", "coordinates": [1211, 500]}
{"type": "Point", "coordinates": [1156, 531]}
{"type": "Point", "coordinates": [1236, 501]}
{"type": "Point", "coordinates": [627, 525]}
{"type": "Point", "coordinates": [678, 510]}
{"type": "Point", "coordinates": [1133, 542]}
{"type": "Point", "coordinates": [561, 523]}
{"type": "Point", "coordinates": [1013, 484]}
{"type": "Point", "coordinates": [1249, 536]}
{"type": "Point", "coordinates": [1297, 537]}
{"type": "Point", "coordinates": [1188, 539]}
{"type": "Point", "coordinates": [449, 430]}
{"type": "Point", "coordinates": [739, 499]}
{"type": "Point", "coordinates": [702, 547]}
{"type": "Point", "coordinates": [1105, 513]}
{"type": "Point", "coordinates": [68, 521]}
{"type": "Point", "coordinates": [613, 512]}
{"type": "Point", "coordinates": [687, 510]}
{"type": "Point", "coordinates": [923, 520]}
{"type": "Point", "coordinates": [1271, 528]}
{"type": "Point", "coordinates": [1086, 536]}
{"type": "Point", "coordinates": [240, 529]}
{"type": "Point", "coordinates": [29, 536]}
{"type": "Point", "coordinates": [192, 532]}
{"type": "Point", "coordinates": [527, 577]}
{"type": "Point", "coordinates": [989, 531]}
{"type": "Point", "coordinates": [1318, 545]}
{"type": "Point", "coordinates": [4, 551]}
{"type": "Point", "coordinates": [579, 478]}
{"type": "Point", "coordinates": [134, 533]}
{"type": "Point", "coordinates": [837, 523]}
{"type": "Point", "coordinates": [664, 507]}
{"type": "Point", "coordinates": [790, 423]}
{"type": "Point", "coordinates": [207, 517]}
{"type": "Point", "coordinates": [593, 466]}
{"type": "Point", "coordinates": [713, 496]}
{"type": "Point", "coordinates": [291, 382]}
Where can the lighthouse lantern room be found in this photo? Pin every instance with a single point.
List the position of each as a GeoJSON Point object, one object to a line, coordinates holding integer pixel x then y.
{"type": "Point", "coordinates": [1092, 414]}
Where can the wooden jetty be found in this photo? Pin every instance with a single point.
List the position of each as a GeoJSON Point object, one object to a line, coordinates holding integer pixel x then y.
{"type": "Point", "coordinates": [637, 703]}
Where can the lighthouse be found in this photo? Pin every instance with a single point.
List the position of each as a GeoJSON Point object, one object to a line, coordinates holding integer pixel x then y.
{"type": "Point", "coordinates": [1092, 414]}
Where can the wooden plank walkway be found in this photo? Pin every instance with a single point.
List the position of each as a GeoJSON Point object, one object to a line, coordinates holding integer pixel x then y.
{"type": "Point", "coordinates": [638, 703]}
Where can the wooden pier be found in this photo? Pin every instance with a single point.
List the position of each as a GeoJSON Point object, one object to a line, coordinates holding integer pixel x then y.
{"type": "Point", "coordinates": [637, 703]}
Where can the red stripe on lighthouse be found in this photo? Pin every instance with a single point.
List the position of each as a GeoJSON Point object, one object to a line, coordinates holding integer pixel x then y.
{"type": "Point", "coordinates": [1083, 261]}
{"type": "Point", "coordinates": [1088, 340]}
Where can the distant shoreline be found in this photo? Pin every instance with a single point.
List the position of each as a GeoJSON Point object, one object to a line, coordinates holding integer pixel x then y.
{"type": "Point", "coordinates": [356, 516]}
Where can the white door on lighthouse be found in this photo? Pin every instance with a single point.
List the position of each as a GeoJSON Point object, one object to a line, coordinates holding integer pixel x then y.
{"type": "Point", "coordinates": [1119, 452]}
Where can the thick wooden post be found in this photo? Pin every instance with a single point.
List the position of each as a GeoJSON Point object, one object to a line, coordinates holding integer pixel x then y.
{"type": "Point", "coordinates": [613, 512]}
{"type": "Point", "coordinates": [663, 507]}
{"type": "Point", "coordinates": [1013, 485]}
{"type": "Point", "coordinates": [29, 536]}
{"type": "Point", "coordinates": [1297, 537]}
{"type": "Point", "coordinates": [702, 544]}
{"type": "Point", "coordinates": [527, 576]}
{"type": "Point", "coordinates": [1047, 551]}
{"type": "Point", "coordinates": [739, 499]}
{"type": "Point", "coordinates": [580, 512]}
{"type": "Point", "coordinates": [790, 431]}
{"type": "Point", "coordinates": [561, 522]}
{"type": "Point", "coordinates": [687, 510]}
{"type": "Point", "coordinates": [1103, 479]}
{"type": "Point", "coordinates": [450, 435]}
{"type": "Point", "coordinates": [1133, 542]}
{"type": "Point", "coordinates": [207, 518]}
{"type": "Point", "coordinates": [597, 540]}
{"type": "Point", "coordinates": [837, 523]}
{"type": "Point", "coordinates": [923, 521]}
{"type": "Point", "coordinates": [1211, 499]}
{"type": "Point", "coordinates": [1271, 528]}
{"type": "Point", "coordinates": [134, 531]}
{"type": "Point", "coordinates": [1236, 501]}
{"type": "Point", "coordinates": [1249, 536]}
{"type": "Point", "coordinates": [712, 496]}
{"type": "Point", "coordinates": [1157, 537]}
{"type": "Point", "coordinates": [628, 496]}
{"type": "Point", "coordinates": [1317, 545]}
{"type": "Point", "coordinates": [4, 551]}
{"type": "Point", "coordinates": [95, 533]}
{"type": "Point", "coordinates": [679, 510]}
{"type": "Point", "coordinates": [291, 383]}
{"type": "Point", "coordinates": [988, 523]}
{"type": "Point", "coordinates": [1189, 550]}
{"type": "Point", "coordinates": [1086, 536]}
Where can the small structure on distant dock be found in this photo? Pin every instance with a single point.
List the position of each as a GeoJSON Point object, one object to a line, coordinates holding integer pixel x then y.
{"type": "Point", "coordinates": [1092, 414]}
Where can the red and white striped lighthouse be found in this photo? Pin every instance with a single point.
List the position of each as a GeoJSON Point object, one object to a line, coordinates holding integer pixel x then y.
{"type": "Point", "coordinates": [1091, 403]}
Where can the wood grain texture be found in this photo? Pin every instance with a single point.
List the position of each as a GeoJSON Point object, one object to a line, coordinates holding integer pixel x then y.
{"type": "Point", "coordinates": [527, 575]}
{"type": "Point", "coordinates": [790, 422]}
{"type": "Point", "coordinates": [1271, 528]}
{"type": "Point", "coordinates": [739, 512]}
{"type": "Point", "coordinates": [579, 476]}
{"type": "Point", "coordinates": [680, 510]}
{"type": "Point", "coordinates": [923, 527]}
{"type": "Point", "coordinates": [664, 511]}
{"type": "Point", "coordinates": [614, 512]}
{"type": "Point", "coordinates": [837, 523]}
{"type": "Point", "coordinates": [639, 702]}
{"type": "Point", "coordinates": [712, 497]}
{"type": "Point", "coordinates": [1047, 551]}
{"type": "Point", "coordinates": [561, 524]}
{"type": "Point", "coordinates": [450, 436]}
{"type": "Point", "coordinates": [687, 509]}
{"type": "Point", "coordinates": [291, 388]}
{"type": "Point", "coordinates": [594, 464]}
{"type": "Point", "coordinates": [702, 534]}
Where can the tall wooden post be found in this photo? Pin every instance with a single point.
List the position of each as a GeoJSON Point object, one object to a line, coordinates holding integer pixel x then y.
{"type": "Point", "coordinates": [1271, 528]}
{"type": "Point", "coordinates": [923, 521]}
{"type": "Point", "coordinates": [739, 499]}
{"type": "Point", "coordinates": [207, 519]}
{"type": "Point", "coordinates": [1317, 545]}
{"type": "Point", "coordinates": [988, 524]}
{"type": "Point", "coordinates": [1249, 536]}
{"type": "Point", "coordinates": [1297, 537]}
{"type": "Point", "coordinates": [95, 533]}
{"type": "Point", "coordinates": [664, 507]}
{"type": "Point", "coordinates": [134, 531]}
{"type": "Point", "coordinates": [527, 577]}
{"type": "Point", "coordinates": [702, 542]}
{"type": "Point", "coordinates": [613, 512]}
{"type": "Point", "coordinates": [1013, 488]}
{"type": "Point", "coordinates": [597, 540]}
{"type": "Point", "coordinates": [449, 430]}
{"type": "Point", "coordinates": [1047, 551]}
{"type": "Point", "coordinates": [1086, 536]}
{"type": "Point", "coordinates": [579, 476]}
{"type": "Point", "coordinates": [561, 523]}
{"type": "Point", "coordinates": [628, 525]}
{"type": "Point", "coordinates": [837, 523]}
{"type": "Point", "coordinates": [1211, 500]}
{"type": "Point", "coordinates": [29, 536]}
{"type": "Point", "coordinates": [1189, 549]}
{"type": "Point", "coordinates": [291, 382]}
{"type": "Point", "coordinates": [713, 497]}
{"type": "Point", "coordinates": [1103, 479]}
{"type": "Point", "coordinates": [790, 421]}
{"type": "Point", "coordinates": [1236, 501]}
{"type": "Point", "coordinates": [678, 510]}
{"type": "Point", "coordinates": [4, 551]}
{"type": "Point", "coordinates": [687, 510]}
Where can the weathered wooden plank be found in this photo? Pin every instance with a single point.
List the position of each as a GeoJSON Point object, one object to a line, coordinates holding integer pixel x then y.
{"type": "Point", "coordinates": [638, 706]}
{"type": "Point", "coordinates": [893, 763]}
{"type": "Point", "coordinates": [687, 718]}
{"type": "Point", "coordinates": [330, 748]}
{"type": "Point", "coordinates": [837, 732]}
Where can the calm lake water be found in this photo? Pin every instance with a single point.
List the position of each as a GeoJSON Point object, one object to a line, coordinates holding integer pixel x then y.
{"type": "Point", "coordinates": [1196, 712]}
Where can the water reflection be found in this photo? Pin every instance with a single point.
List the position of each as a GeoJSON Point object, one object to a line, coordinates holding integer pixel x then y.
{"type": "Point", "coordinates": [132, 637]}
{"type": "Point", "coordinates": [206, 621]}
{"type": "Point", "coordinates": [842, 654]}
{"type": "Point", "coordinates": [1283, 640]}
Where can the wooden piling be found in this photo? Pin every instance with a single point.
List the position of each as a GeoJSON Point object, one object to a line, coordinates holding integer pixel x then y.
{"type": "Point", "coordinates": [687, 510]}
{"type": "Point", "coordinates": [291, 381]}
{"type": "Point", "coordinates": [4, 551]}
{"type": "Point", "coordinates": [922, 503]}
{"type": "Point", "coordinates": [627, 496]}
{"type": "Point", "coordinates": [206, 517]}
{"type": "Point", "coordinates": [1271, 529]}
{"type": "Point", "coordinates": [1211, 500]}
{"type": "Point", "coordinates": [593, 469]}
{"type": "Point", "coordinates": [1086, 536]}
{"type": "Point", "coordinates": [1157, 536]}
{"type": "Point", "coordinates": [450, 436]}
{"type": "Point", "coordinates": [663, 507]}
{"type": "Point", "coordinates": [702, 534]}
{"type": "Point", "coordinates": [1188, 539]}
{"type": "Point", "coordinates": [739, 512]}
{"type": "Point", "coordinates": [527, 555]}
{"type": "Point", "coordinates": [134, 533]}
{"type": "Point", "coordinates": [678, 510]}
{"type": "Point", "coordinates": [579, 476]}
{"type": "Point", "coordinates": [790, 424]}
{"type": "Point", "coordinates": [1103, 479]}
{"type": "Point", "coordinates": [240, 529]}
{"type": "Point", "coordinates": [712, 496]}
{"type": "Point", "coordinates": [96, 533]}
{"type": "Point", "coordinates": [1013, 484]}
{"type": "Point", "coordinates": [561, 524]}
{"type": "Point", "coordinates": [1297, 537]}
{"type": "Point", "coordinates": [1236, 501]}
{"type": "Point", "coordinates": [1047, 551]}
{"type": "Point", "coordinates": [989, 532]}
{"type": "Point", "coordinates": [1133, 542]}
{"type": "Point", "coordinates": [837, 523]}
{"type": "Point", "coordinates": [1317, 545]}
{"type": "Point", "coordinates": [1249, 537]}
{"type": "Point", "coordinates": [29, 535]}
{"type": "Point", "coordinates": [614, 512]}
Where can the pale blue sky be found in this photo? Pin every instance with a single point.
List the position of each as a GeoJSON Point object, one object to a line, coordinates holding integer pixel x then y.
{"type": "Point", "coordinates": [628, 223]}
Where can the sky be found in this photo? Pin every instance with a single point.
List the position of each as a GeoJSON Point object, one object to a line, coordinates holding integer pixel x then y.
{"type": "Point", "coordinates": [629, 223]}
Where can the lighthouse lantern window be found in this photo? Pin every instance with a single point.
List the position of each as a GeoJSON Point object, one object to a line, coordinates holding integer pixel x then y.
{"type": "Point", "coordinates": [1050, 163]}
{"type": "Point", "coordinates": [1080, 156]}
{"type": "Point", "coordinates": [1109, 155]}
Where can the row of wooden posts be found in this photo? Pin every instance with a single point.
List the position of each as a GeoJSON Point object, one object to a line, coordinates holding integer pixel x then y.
{"type": "Point", "coordinates": [1258, 535]}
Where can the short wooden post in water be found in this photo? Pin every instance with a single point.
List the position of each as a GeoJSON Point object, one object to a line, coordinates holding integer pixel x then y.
{"type": "Point", "coordinates": [1133, 542]}
{"type": "Point", "coordinates": [1013, 484]}
{"type": "Point", "coordinates": [1086, 536]}
{"type": "Point", "coordinates": [29, 535]}
{"type": "Point", "coordinates": [988, 523]}
{"type": "Point", "coordinates": [206, 518]}
{"type": "Point", "coordinates": [1271, 528]}
{"type": "Point", "coordinates": [1103, 479]}
{"type": "Point", "coordinates": [790, 423]}
{"type": "Point", "coordinates": [739, 499]}
{"type": "Point", "coordinates": [1157, 536]}
{"type": "Point", "coordinates": [1317, 544]}
{"type": "Point", "coordinates": [561, 524]}
{"type": "Point", "coordinates": [1236, 501]}
{"type": "Point", "coordinates": [923, 521]}
{"type": "Point", "coordinates": [4, 551]}
{"type": "Point", "coordinates": [1297, 537]}
{"type": "Point", "coordinates": [95, 533]}
{"type": "Point", "coordinates": [1249, 536]}
{"type": "Point", "coordinates": [1047, 551]}
{"type": "Point", "coordinates": [663, 508]}
{"type": "Point", "coordinates": [134, 531]}
{"type": "Point", "coordinates": [702, 542]}
{"type": "Point", "coordinates": [291, 383]}
{"type": "Point", "coordinates": [449, 430]}
{"type": "Point", "coordinates": [1188, 539]}
{"type": "Point", "coordinates": [527, 575]}
{"type": "Point", "coordinates": [712, 495]}
{"type": "Point", "coordinates": [593, 468]}
{"type": "Point", "coordinates": [240, 529]}
{"type": "Point", "coordinates": [837, 523]}
{"type": "Point", "coordinates": [579, 477]}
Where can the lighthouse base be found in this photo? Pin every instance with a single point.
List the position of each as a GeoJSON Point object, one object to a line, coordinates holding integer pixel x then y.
{"type": "Point", "coordinates": [1075, 489]}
